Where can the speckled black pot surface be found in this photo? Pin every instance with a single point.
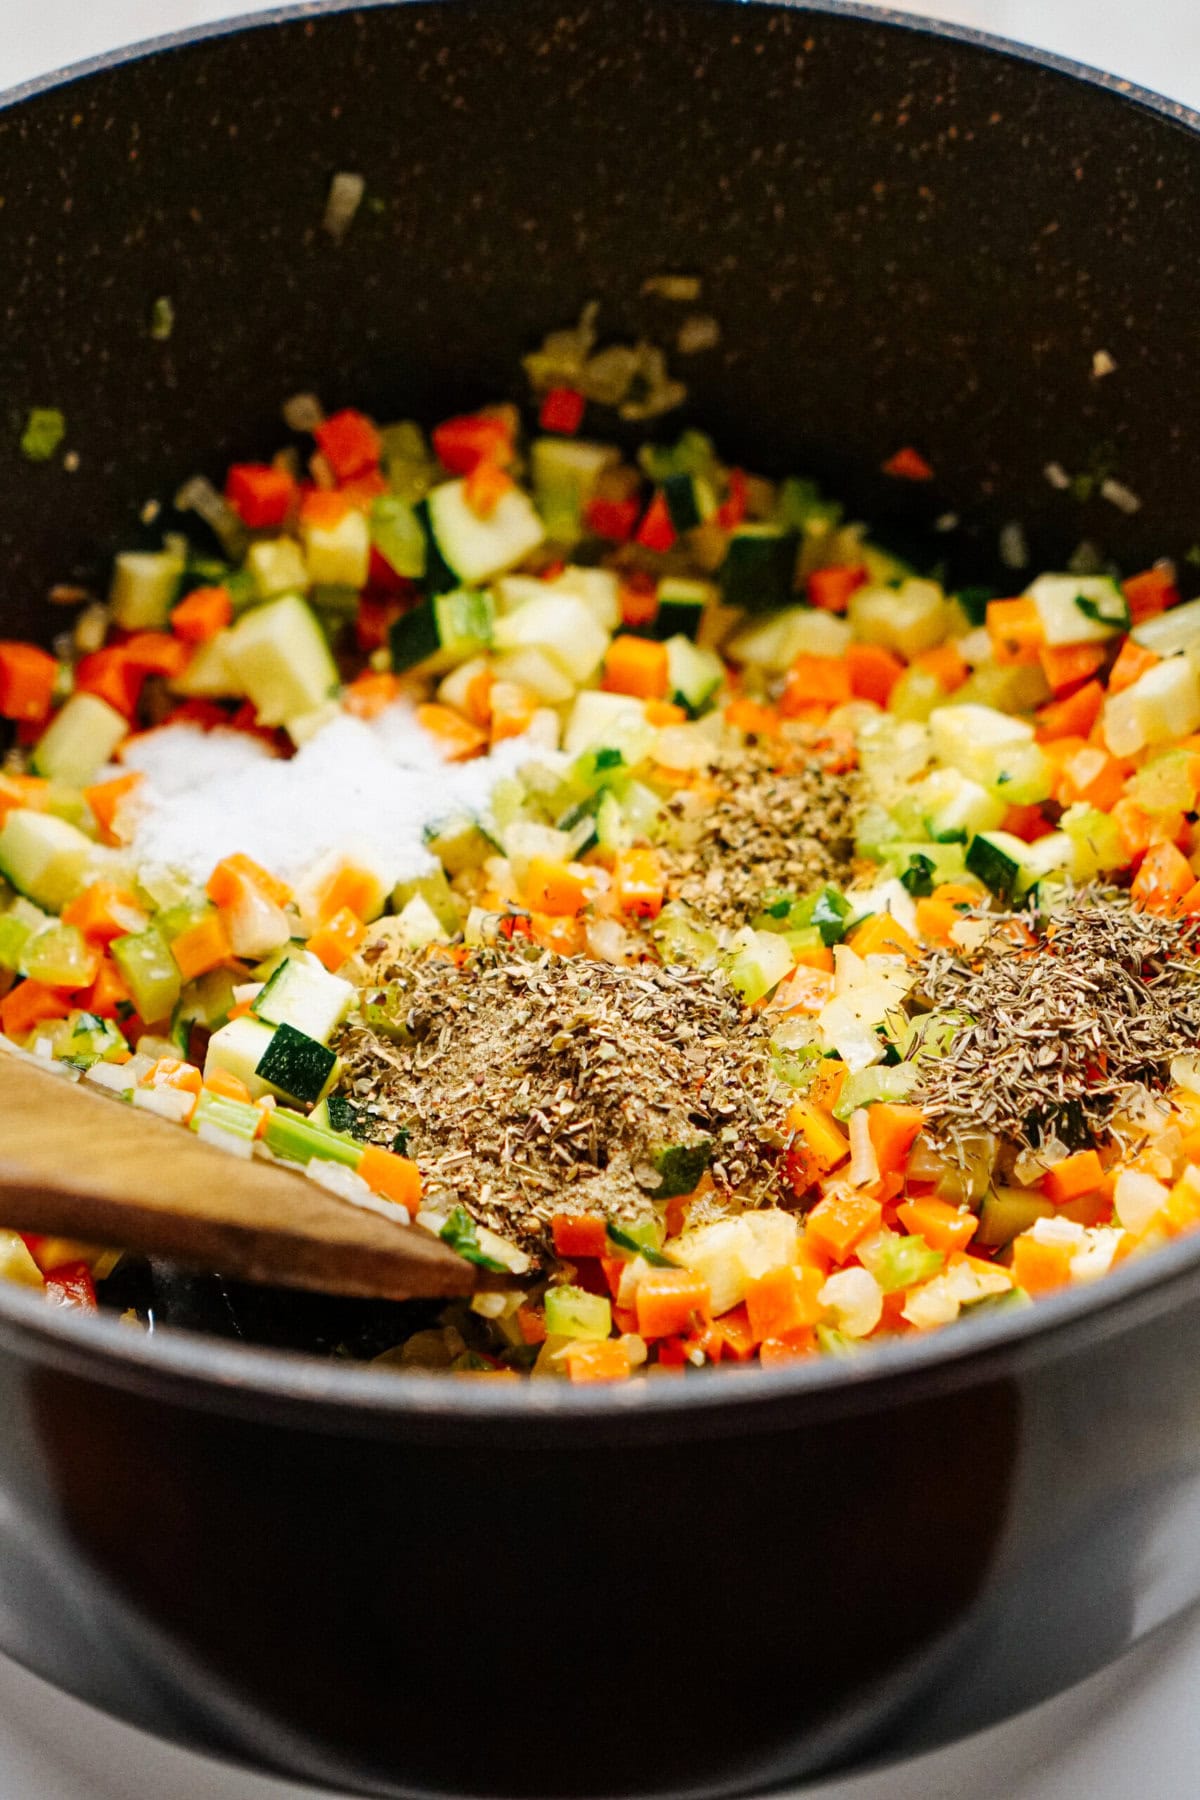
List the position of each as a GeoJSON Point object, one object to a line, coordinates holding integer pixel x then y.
{"type": "Point", "coordinates": [719, 1584]}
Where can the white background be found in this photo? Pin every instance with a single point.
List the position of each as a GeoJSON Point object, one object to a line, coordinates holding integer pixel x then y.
{"type": "Point", "coordinates": [1132, 1733]}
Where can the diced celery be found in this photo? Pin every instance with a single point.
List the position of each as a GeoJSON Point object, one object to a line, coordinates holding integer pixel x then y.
{"type": "Point", "coordinates": [14, 933]}
{"type": "Point", "coordinates": [150, 972]}
{"type": "Point", "coordinates": [683, 938]}
{"type": "Point", "coordinates": [291, 1135]}
{"type": "Point", "coordinates": [208, 674]}
{"type": "Point", "coordinates": [61, 957]}
{"type": "Point", "coordinates": [756, 962]}
{"type": "Point", "coordinates": [1166, 783]}
{"type": "Point", "coordinates": [867, 1086]}
{"type": "Point", "coordinates": [898, 1262]}
{"type": "Point", "coordinates": [1097, 840]}
{"type": "Point", "coordinates": [338, 555]}
{"type": "Point", "coordinates": [233, 1116]}
{"type": "Point", "coordinates": [572, 1312]}
{"type": "Point", "coordinates": [397, 535]}
{"type": "Point", "coordinates": [565, 475]}
{"type": "Point", "coordinates": [437, 894]}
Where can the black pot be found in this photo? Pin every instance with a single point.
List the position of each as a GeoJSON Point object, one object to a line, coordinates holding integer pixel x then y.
{"type": "Point", "coordinates": [714, 1584]}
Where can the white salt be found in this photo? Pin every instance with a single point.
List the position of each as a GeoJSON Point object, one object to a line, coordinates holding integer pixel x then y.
{"type": "Point", "coordinates": [367, 791]}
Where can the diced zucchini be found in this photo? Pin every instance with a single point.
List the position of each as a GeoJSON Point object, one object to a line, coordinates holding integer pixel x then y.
{"type": "Point", "coordinates": [907, 619]}
{"type": "Point", "coordinates": [773, 644]}
{"type": "Point", "coordinates": [681, 607]}
{"type": "Point", "coordinates": [1170, 633]}
{"type": "Point", "coordinates": [609, 721]}
{"type": "Point", "coordinates": [303, 993]}
{"type": "Point", "coordinates": [280, 655]}
{"type": "Point", "coordinates": [144, 586]}
{"type": "Point", "coordinates": [536, 670]}
{"type": "Point", "coordinates": [79, 740]}
{"type": "Point", "coordinates": [978, 741]}
{"type": "Point", "coordinates": [478, 549]}
{"type": "Point", "coordinates": [150, 971]}
{"type": "Point", "coordinates": [1054, 854]}
{"type": "Point", "coordinates": [297, 1065]}
{"type": "Point", "coordinates": [45, 858]}
{"type": "Point", "coordinates": [953, 804]}
{"type": "Point", "coordinates": [459, 844]}
{"type": "Point", "coordinates": [566, 472]}
{"type": "Point", "coordinates": [1161, 707]}
{"type": "Point", "coordinates": [759, 569]}
{"type": "Point", "coordinates": [14, 935]}
{"type": "Point", "coordinates": [690, 500]}
{"type": "Point", "coordinates": [573, 1312]}
{"type": "Point", "coordinates": [89, 1041]}
{"type": "Point", "coordinates": [443, 631]}
{"type": "Point", "coordinates": [291, 1135]}
{"type": "Point", "coordinates": [1006, 1213]}
{"type": "Point", "coordinates": [693, 676]}
{"type": "Point", "coordinates": [277, 566]}
{"type": "Point", "coordinates": [238, 1048]}
{"type": "Point", "coordinates": [563, 626]}
{"type": "Point", "coordinates": [397, 534]}
{"type": "Point", "coordinates": [208, 675]}
{"type": "Point", "coordinates": [1079, 609]}
{"type": "Point", "coordinates": [438, 896]}
{"type": "Point", "coordinates": [756, 962]}
{"type": "Point", "coordinates": [997, 858]}
{"type": "Point", "coordinates": [418, 925]}
{"type": "Point", "coordinates": [338, 555]}
{"type": "Point", "coordinates": [600, 588]}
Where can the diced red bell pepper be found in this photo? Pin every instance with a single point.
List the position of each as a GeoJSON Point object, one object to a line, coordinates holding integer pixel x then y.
{"type": "Point", "coordinates": [612, 519]}
{"type": "Point", "coordinates": [71, 1284]}
{"type": "Point", "coordinates": [656, 531]}
{"type": "Point", "coordinates": [474, 438]}
{"type": "Point", "coordinates": [908, 465]}
{"type": "Point", "coordinates": [732, 511]}
{"type": "Point", "coordinates": [349, 443]}
{"type": "Point", "coordinates": [261, 494]}
{"type": "Point", "coordinates": [563, 410]}
{"type": "Point", "coordinates": [831, 589]}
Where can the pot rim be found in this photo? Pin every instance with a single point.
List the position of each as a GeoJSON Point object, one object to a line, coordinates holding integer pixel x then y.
{"type": "Point", "coordinates": [221, 1376]}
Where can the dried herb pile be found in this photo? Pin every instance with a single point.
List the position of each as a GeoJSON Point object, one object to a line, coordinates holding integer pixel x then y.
{"type": "Point", "coordinates": [1060, 1030]}
{"type": "Point", "coordinates": [531, 1084]}
{"type": "Point", "coordinates": [778, 815]}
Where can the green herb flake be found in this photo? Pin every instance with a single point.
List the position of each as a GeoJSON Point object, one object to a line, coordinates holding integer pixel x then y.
{"type": "Point", "coordinates": [162, 319]}
{"type": "Point", "coordinates": [1093, 609]}
{"type": "Point", "coordinates": [461, 1234]}
{"type": "Point", "coordinates": [830, 915]}
{"type": "Point", "coordinates": [918, 877]}
{"type": "Point", "coordinates": [44, 431]}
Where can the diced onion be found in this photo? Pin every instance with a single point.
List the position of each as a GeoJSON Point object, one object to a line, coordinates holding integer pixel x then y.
{"type": "Point", "coordinates": [864, 1164]}
{"type": "Point", "coordinates": [1137, 1198]}
{"type": "Point", "coordinates": [856, 1300]}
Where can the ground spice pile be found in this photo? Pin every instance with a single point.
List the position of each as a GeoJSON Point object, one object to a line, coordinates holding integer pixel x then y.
{"type": "Point", "coordinates": [531, 1084]}
{"type": "Point", "coordinates": [1060, 1028]}
{"type": "Point", "coordinates": [778, 814]}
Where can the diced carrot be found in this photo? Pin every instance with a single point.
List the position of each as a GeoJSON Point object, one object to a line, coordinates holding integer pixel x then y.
{"type": "Point", "coordinates": [640, 883]}
{"type": "Point", "coordinates": [815, 681]}
{"type": "Point", "coordinates": [773, 1352]}
{"type": "Point", "coordinates": [562, 410]}
{"type": "Point", "coordinates": [669, 1302]}
{"type": "Point", "coordinates": [1015, 628]}
{"type": "Point", "coordinates": [511, 709]}
{"type": "Point", "coordinates": [656, 531]}
{"type": "Point", "coordinates": [824, 1142]}
{"type": "Point", "coordinates": [882, 935]}
{"type": "Point", "coordinates": [362, 491]}
{"type": "Point", "coordinates": [606, 1359]}
{"type": "Point", "coordinates": [17, 791]}
{"type": "Point", "coordinates": [104, 911]}
{"type": "Point", "coordinates": [111, 676]}
{"type": "Point", "coordinates": [908, 464]}
{"type": "Point", "coordinates": [334, 941]}
{"type": "Point", "coordinates": [456, 737]}
{"type": "Point", "coordinates": [202, 947]}
{"type": "Point", "coordinates": [639, 600]}
{"type": "Point", "coordinates": [825, 1090]}
{"type": "Point", "coordinates": [262, 494]}
{"type": "Point", "coordinates": [1151, 592]}
{"type": "Point", "coordinates": [936, 919]}
{"type": "Point", "coordinates": [1132, 663]}
{"type": "Point", "coordinates": [156, 652]}
{"type": "Point", "coordinates": [945, 663]}
{"type": "Point", "coordinates": [233, 874]}
{"type": "Point", "coordinates": [1135, 826]}
{"type": "Point", "coordinates": [1073, 1176]}
{"type": "Point", "coordinates": [784, 1300]}
{"type": "Point", "coordinates": [1092, 776]}
{"type": "Point", "coordinates": [1180, 1212]}
{"type": "Point", "coordinates": [201, 614]}
{"type": "Point", "coordinates": [1067, 666]}
{"type": "Point", "coordinates": [874, 672]}
{"type": "Point", "coordinates": [108, 996]}
{"type": "Point", "coordinates": [636, 666]}
{"type": "Point", "coordinates": [830, 589]}
{"type": "Point", "coordinates": [477, 701]}
{"type": "Point", "coordinates": [1163, 879]}
{"type": "Point", "coordinates": [1091, 1209]}
{"type": "Point", "coordinates": [531, 1324]}
{"type": "Point", "coordinates": [555, 887]}
{"type": "Point", "coordinates": [805, 990]}
{"type": "Point", "coordinates": [28, 1004]}
{"type": "Point", "coordinates": [893, 1129]}
{"type": "Point", "coordinates": [664, 712]}
{"type": "Point", "coordinates": [944, 1227]}
{"type": "Point", "coordinates": [370, 694]}
{"type": "Point", "coordinates": [392, 1177]}
{"type": "Point", "coordinates": [816, 956]}
{"type": "Point", "coordinates": [349, 443]}
{"type": "Point", "coordinates": [27, 677]}
{"type": "Point", "coordinates": [1040, 1268]}
{"type": "Point", "coordinates": [486, 487]}
{"type": "Point", "coordinates": [325, 508]}
{"type": "Point", "coordinates": [752, 717]}
{"type": "Point", "coordinates": [730, 1336]}
{"type": "Point", "coordinates": [580, 1234]}
{"type": "Point", "coordinates": [462, 442]}
{"type": "Point", "coordinates": [227, 1085]}
{"type": "Point", "coordinates": [1073, 717]}
{"type": "Point", "coordinates": [173, 1072]}
{"type": "Point", "coordinates": [840, 1221]}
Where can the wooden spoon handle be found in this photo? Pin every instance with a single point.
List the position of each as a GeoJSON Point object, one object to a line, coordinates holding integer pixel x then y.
{"type": "Point", "coordinates": [76, 1164]}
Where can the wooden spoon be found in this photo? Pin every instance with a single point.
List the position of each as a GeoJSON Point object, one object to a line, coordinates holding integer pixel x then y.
{"type": "Point", "coordinates": [74, 1163]}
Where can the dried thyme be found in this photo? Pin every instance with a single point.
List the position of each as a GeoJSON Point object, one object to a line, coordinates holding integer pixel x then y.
{"type": "Point", "coordinates": [1062, 1027]}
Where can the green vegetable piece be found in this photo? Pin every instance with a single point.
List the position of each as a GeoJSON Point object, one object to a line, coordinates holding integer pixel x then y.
{"type": "Point", "coordinates": [14, 934]}
{"type": "Point", "coordinates": [759, 568]}
{"type": "Point", "coordinates": [898, 1262]}
{"type": "Point", "coordinates": [461, 1233]}
{"type": "Point", "coordinates": [681, 1167]}
{"type": "Point", "coordinates": [296, 1064]}
{"type": "Point", "coordinates": [345, 1116]}
{"type": "Point", "coordinates": [571, 1312]}
{"type": "Point", "coordinates": [800, 506]}
{"type": "Point", "coordinates": [290, 1134]}
{"type": "Point", "coordinates": [59, 956]}
{"type": "Point", "coordinates": [866, 1087]}
{"type": "Point", "coordinates": [635, 1242]}
{"type": "Point", "coordinates": [397, 535]}
{"type": "Point", "coordinates": [90, 1040]}
{"type": "Point", "coordinates": [235, 1116]}
{"type": "Point", "coordinates": [830, 915]}
{"type": "Point", "coordinates": [918, 877]}
{"type": "Point", "coordinates": [150, 971]}
{"type": "Point", "coordinates": [400, 1141]}
{"type": "Point", "coordinates": [45, 429]}
{"type": "Point", "coordinates": [974, 603]}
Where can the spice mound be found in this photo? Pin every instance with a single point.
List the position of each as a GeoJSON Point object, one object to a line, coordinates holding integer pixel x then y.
{"type": "Point", "coordinates": [776, 814]}
{"type": "Point", "coordinates": [530, 1084]}
{"type": "Point", "coordinates": [1060, 1015]}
